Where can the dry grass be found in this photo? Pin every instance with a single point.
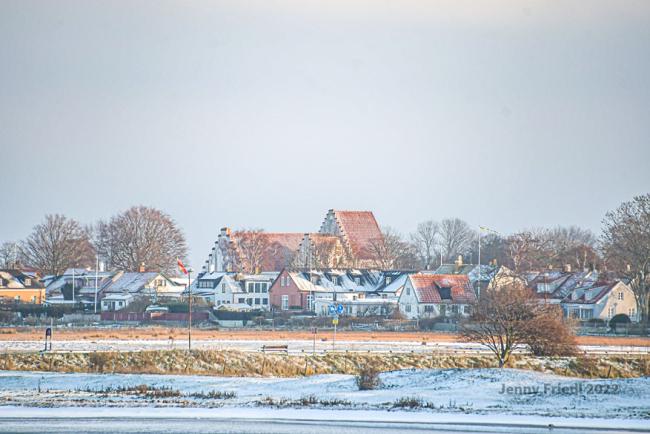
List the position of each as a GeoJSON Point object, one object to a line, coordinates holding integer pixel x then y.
{"type": "Point", "coordinates": [243, 364]}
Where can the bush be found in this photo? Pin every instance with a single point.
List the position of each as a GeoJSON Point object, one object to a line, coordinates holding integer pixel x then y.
{"type": "Point", "coordinates": [368, 378]}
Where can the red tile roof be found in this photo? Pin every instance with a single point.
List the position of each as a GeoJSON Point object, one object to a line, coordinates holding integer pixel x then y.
{"type": "Point", "coordinates": [360, 229]}
{"type": "Point", "coordinates": [428, 287]}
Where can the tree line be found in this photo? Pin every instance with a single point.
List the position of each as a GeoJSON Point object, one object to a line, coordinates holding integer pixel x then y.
{"type": "Point", "coordinates": [139, 236]}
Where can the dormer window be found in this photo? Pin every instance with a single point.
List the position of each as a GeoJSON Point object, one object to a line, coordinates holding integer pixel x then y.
{"type": "Point", "coordinates": [388, 280]}
{"type": "Point", "coordinates": [445, 293]}
{"type": "Point", "coordinates": [28, 282]}
{"type": "Point", "coordinates": [357, 281]}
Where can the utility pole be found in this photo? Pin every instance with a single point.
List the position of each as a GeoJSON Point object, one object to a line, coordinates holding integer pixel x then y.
{"type": "Point", "coordinates": [96, 279]}
{"type": "Point", "coordinates": [189, 331]}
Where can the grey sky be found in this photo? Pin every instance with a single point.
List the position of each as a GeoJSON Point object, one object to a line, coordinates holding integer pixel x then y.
{"type": "Point", "coordinates": [509, 114]}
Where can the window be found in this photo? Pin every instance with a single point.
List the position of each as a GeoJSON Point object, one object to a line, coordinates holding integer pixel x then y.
{"type": "Point", "coordinates": [310, 302]}
{"type": "Point", "coordinates": [34, 299]}
{"type": "Point", "coordinates": [223, 288]}
{"type": "Point", "coordinates": [257, 301]}
{"type": "Point", "coordinates": [612, 311]}
{"type": "Point", "coordinates": [443, 310]}
{"type": "Point", "coordinates": [407, 308]}
{"type": "Point", "coordinates": [241, 300]}
{"type": "Point", "coordinates": [620, 295]}
{"type": "Point", "coordinates": [285, 302]}
{"type": "Point", "coordinates": [249, 301]}
{"type": "Point", "coordinates": [467, 310]}
{"type": "Point", "coordinates": [428, 308]}
{"type": "Point", "coordinates": [258, 288]}
{"type": "Point", "coordinates": [408, 290]}
{"type": "Point", "coordinates": [28, 282]}
{"type": "Point", "coordinates": [631, 312]}
{"type": "Point", "coordinates": [388, 280]}
{"type": "Point", "coordinates": [265, 287]}
{"type": "Point", "coordinates": [265, 301]}
{"type": "Point", "coordinates": [445, 293]}
{"type": "Point", "coordinates": [357, 280]}
{"type": "Point", "coordinates": [251, 287]}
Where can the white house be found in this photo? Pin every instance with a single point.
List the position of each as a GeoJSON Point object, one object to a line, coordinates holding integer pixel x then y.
{"type": "Point", "coordinates": [433, 295]}
{"type": "Point", "coordinates": [227, 288]}
{"type": "Point", "coordinates": [114, 302]}
{"type": "Point", "coordinates": [601, 301]}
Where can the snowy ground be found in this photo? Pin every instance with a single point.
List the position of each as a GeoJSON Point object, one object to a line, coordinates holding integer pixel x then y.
{"type": "Point", "coordinates": [295, 346]}
{"type": "Point", "coordinates": [439, 391]}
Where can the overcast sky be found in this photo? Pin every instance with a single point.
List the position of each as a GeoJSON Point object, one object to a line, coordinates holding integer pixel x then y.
{"type": "Point", "coordinates": [509, 114]}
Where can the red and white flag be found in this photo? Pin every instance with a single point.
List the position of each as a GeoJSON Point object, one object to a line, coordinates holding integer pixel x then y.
{"type": "Point", "coordinates": [181, 266]}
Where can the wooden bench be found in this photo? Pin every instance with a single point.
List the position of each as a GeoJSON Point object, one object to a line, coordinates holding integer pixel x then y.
{"type": "Point", "coordinates": [275, 348]}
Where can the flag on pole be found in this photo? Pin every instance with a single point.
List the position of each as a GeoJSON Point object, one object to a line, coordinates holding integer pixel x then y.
{"type": "Point", "coordinates": [181, 266]}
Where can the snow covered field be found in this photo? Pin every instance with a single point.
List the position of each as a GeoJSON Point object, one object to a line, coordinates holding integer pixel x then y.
{"type": "Point", "coordinates": [295, 346]}
{"type": "Point", "coordinates": [445, 391]}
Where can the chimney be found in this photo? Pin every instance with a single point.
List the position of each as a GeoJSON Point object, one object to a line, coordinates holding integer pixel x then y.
{"type": "Point", "coordinates": [459, 261]}
{"type": "Point", "coordinates": [567, 268]}
{"type": "Point", "coordinates": [141, 269]}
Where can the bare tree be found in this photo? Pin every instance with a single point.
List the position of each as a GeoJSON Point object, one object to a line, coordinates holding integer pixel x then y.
{"type": "Point", "coordinates": [425, 240]}
{"type": "Point", "coordinates": [391, 251]}
{"type": "Point", "coordinates": [527, 250]}
{"type": "Point", "coordinates": [626, 247]}
{"type": "Point", "coordinates": [9, 255]}
{"type": "Point", "coordinates": [507, 318]}
{"type": "Point", "coordinates": [572, 245]}
{"type": "Point", "coordinates": [141, 235]}
{"type": "Point", "coordinates": [456, 237]}
{"type": "Point", "coordinates": [57, 244]}
{"type": "Point", "coordinates": [252, 247]}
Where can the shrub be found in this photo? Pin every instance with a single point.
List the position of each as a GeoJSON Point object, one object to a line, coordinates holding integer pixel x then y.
{"type": "Point", "coordinates": [368, 378]}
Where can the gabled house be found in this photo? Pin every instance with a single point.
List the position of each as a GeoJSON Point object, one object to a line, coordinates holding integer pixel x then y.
{"type": "Point", "coordinates": [345, 239]}
{"type": "Point", "coordinates": [142, 285]}
{"type": "Point", "coordinates": [361, 292]}
{"type": "Point", "coordinates": [600, 300]}
{"type": "Point", "coordinates": [78, 285]}
{"type": "Point", "coordinates": [480, 277]}
{"type": "Point", "coordinates": [20, 287]}
{"type": "Point", "coordinates": [434, 295]}
{"type": "Point", "coordinates": [220, 288]}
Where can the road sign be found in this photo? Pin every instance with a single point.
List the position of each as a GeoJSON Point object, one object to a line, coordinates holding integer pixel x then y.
{"type": "Point", "coordinates": [339, 309]}
{"type": "Point", "coordinates": [335, 321]}
{"type": "Point", "coordinates": [332, 309]}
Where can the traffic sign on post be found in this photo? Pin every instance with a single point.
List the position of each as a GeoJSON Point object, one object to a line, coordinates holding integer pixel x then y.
{"type": "Point", "coordinates": [332, 309]}
{"type": "Point", "coordinates": [339, 309]}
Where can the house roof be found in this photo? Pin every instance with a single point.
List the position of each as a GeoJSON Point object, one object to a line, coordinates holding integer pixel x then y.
{"type": "Point", "coordinates": [428, 287]}
{"type": "Point", "coordinates": [131, 282]}
{"type": "Point", "coordinates": [16, 279]}
{"type": "Point", "coordinates": [597, 292]}
{"type": "Point", "coordinates": [360, 229]}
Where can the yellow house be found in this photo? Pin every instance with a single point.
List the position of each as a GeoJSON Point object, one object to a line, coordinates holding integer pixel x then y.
{"type": "Point", "coordinates": [23, 288]}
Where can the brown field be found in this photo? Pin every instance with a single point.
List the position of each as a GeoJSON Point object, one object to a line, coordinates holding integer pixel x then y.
{"type": "Point", "coordinates": [32, 334]}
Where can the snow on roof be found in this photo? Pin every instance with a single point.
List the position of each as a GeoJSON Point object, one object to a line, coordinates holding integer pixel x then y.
{"type": "Point", "coordinates": [132, 282]}
{"type": "Point", "coordinates": [118, 296]}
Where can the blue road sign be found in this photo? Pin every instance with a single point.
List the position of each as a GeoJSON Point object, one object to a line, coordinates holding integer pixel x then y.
{"type": "Point", "coordinates": [339, 309]}
{"type": "Point", "coordinates": [332, 309]}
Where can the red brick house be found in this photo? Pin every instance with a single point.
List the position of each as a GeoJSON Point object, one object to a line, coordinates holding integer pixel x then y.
{"type": "Point", "coordinates": [288, 293]}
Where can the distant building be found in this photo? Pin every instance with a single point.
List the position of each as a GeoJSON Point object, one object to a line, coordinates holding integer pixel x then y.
{"type": "Point", "coordinates": [147, 285]}
{"type": "Point", "coordinates": [345, 239]}
{"type": "Point", "coordinates": [436, 295]}
{"type": "Point", "coordinates": [601, 301]}
{"type": "Point", "coordinates": [224, 289]}
{"type": "Point", "coordinates": [360, 292]}
{"type": "Point", "coordinates": [20, 287]}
